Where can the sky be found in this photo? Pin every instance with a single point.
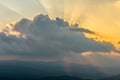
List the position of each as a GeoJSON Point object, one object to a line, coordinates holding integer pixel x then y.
{"type": "Point", "coordinates": [73, 31]}
{"type": "Point", "coordinates": [95, 15]}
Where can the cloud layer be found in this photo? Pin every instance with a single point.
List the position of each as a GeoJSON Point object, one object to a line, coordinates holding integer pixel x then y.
{"type": "Point", "coordinates": [47, 38]}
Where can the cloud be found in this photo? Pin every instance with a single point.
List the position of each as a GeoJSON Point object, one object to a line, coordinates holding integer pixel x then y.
{"type": "Point", "coordinates": [47, 38]}
{"type": "Point", "coordinates": [83, 30]}
{"type": "Point", "coordinates": [92, 14]}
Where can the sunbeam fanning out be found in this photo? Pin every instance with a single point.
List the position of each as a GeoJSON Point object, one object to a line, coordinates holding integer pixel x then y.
{"type": "Point", "coordinates": [53, 9]}
{"type": "Point", "coordinates": [59, 39]}
{"type": "Point", "coordinates": [26, 10]}
{"type": "Point", "coordinates": [68, 10]}
{"type": "Point", "coordinates": [83, 13]}
{"type": "Point", "coordinates": [8, 15]}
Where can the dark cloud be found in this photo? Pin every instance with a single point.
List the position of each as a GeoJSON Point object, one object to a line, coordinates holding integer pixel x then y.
{"type": "Point", "coordinates": [43, 37]}
{"type": "Point", "coordinates": [82, 30]}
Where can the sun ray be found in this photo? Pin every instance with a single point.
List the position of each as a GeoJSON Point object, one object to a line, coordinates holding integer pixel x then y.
{"type": "Point", "coordinates": [67, 66]}
{"type": "Point", "coordinates": [25, 10]}
{"type": "Point", "coordinates": [40, 6]}
{"type": "Point", "coordinates": [43, 6]}
{"type": "Point", "coordinates": [5, 18]}
{"type": "Point", "coordinates": [11, 9]}
{"type": "Point", "coordinates": [54, 8]}
{"type": "Point", "coordinates": [72, 12]}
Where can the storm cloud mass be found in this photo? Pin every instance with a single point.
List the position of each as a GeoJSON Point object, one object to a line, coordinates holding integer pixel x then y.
{"type": "Point", "coordinates": [47, 38]}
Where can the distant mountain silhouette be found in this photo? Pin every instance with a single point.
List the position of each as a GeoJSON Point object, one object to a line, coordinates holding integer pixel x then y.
{"type": "Point", "coordinates": [63, 78]}
{"type": "Point", "coordinates": [117, 77]}
{"type": "Point", "coordinates": [26, 69]}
